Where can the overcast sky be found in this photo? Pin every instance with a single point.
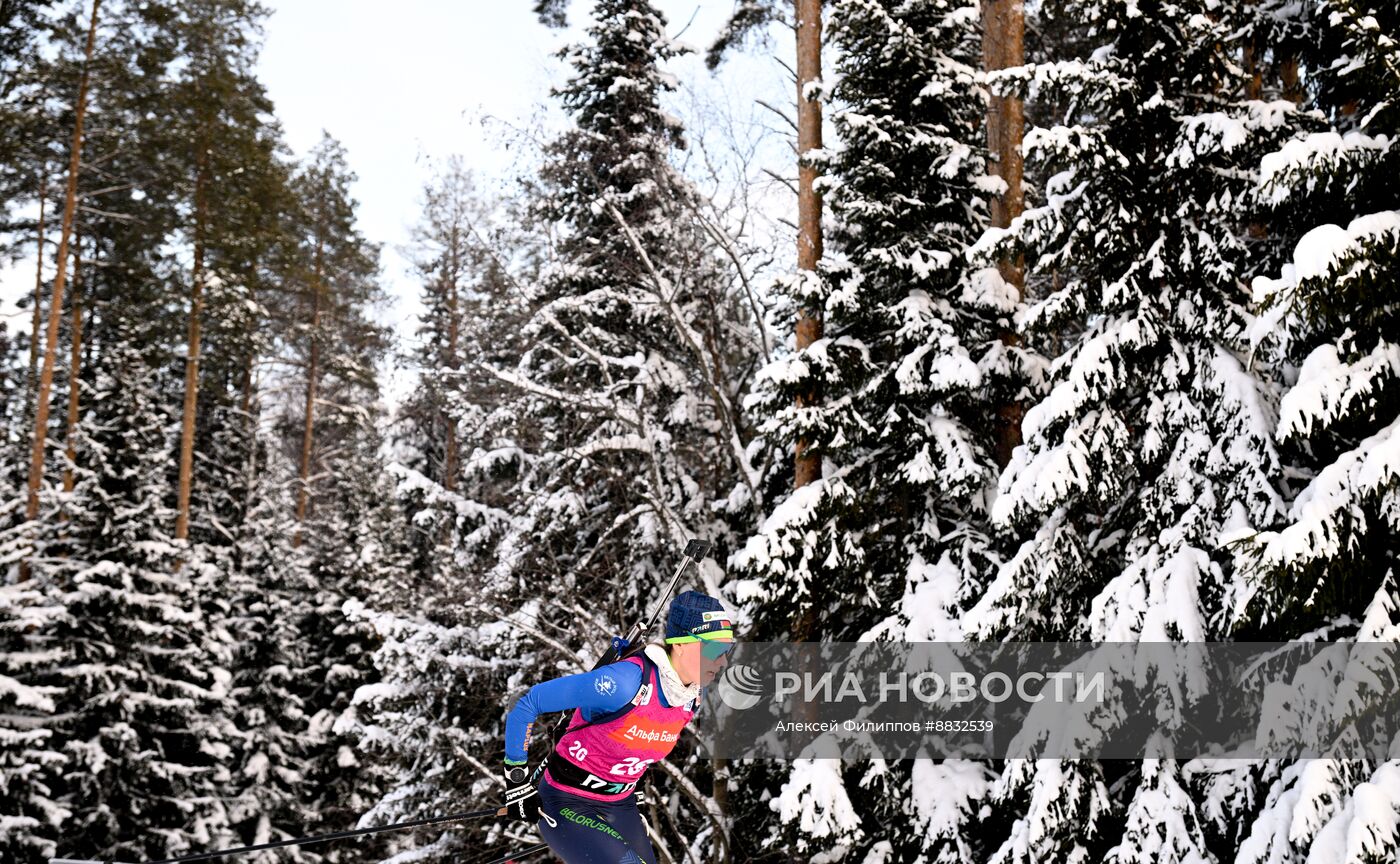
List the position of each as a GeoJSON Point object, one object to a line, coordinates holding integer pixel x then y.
{"type": "Point", "coordinates": [412, 81]}
{"type": "Point", "coordinates": [404, 83]}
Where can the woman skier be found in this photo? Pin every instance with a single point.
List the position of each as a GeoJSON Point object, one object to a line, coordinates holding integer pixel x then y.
{"type": "Point", "coordinates": [627, 715]}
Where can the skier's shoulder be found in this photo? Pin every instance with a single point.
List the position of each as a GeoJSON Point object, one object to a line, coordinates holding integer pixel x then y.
{"type": "Point", "coordinates": [619, 680]}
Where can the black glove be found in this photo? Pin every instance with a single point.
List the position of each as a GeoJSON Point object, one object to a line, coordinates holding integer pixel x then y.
{"type": "Point", "coordinates": [522, 797]}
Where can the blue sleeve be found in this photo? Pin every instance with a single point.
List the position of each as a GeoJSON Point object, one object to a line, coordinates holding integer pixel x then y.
{"type": "Point", "coordinates": [596, 693]}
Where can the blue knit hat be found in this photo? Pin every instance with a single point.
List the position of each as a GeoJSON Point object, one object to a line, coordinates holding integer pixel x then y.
{"type": "Point", "coordinates": [694, 616]}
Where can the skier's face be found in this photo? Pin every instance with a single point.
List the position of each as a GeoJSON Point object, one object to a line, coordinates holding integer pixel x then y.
{"type": "Point", "coordinates": [714, 656]}
{"type": "Point", "coordinates": [699, 662]}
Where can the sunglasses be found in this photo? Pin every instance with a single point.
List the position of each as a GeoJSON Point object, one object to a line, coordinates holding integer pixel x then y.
{"type": "Point", "coordinates": [715, 650]}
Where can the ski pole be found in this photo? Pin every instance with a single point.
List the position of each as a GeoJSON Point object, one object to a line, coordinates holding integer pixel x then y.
{"type": "Point", "coordinates": [516, 856]}
{"type": "Point", "coordinates": [695, 552]}
{"type": "Point", "coordinates": [299, 841]}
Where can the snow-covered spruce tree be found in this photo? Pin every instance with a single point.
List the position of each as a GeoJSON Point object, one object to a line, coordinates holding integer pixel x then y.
{"type": "Point", "coordinates": [144, 702]}
{"type": "Point", "coordinates": [271, 594]}
{"type": "Point", "coordinates": [241, 519]}
{"type": "Point", "coordinates": [1153, 434]}
{"type": "Point", "coordinates": [31, 756]}
{"type": "Point", "coordinates": [432, 718]}
{"type": "Point", "coordinates": [446, 663]}
{"type": "Point", "coordinates": [141, 709]}
{"type": "Point", "coordinates": [636, 344]}
{"type": "Point", "coordinates": [354, 544]}
{"type": "Point", "coordinates": [1328, 319]}
{"type": "Point", "coordinates": [1126, 474]}
{"type": "Point", "coordinates": [893, 540]}
{"type": "Point", "coordinates": [454, 464]}
{"type": "Point", "coordinates": [1329, 324]}
{"type": "Point", "coordinates": [899, 519]}
{"type": "Point", "coordinates": [31, 751]}
{"type": "Point", "coordinates": [347, 535]}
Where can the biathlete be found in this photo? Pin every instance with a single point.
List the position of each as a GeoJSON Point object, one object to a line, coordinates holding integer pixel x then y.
{"type": "Point", "coordinates": [626, 716]}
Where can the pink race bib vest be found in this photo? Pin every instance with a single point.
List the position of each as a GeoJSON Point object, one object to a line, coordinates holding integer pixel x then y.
{"type": "Point", "coordinates": [606, 759]}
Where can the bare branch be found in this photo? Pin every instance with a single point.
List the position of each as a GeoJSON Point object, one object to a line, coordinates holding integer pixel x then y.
{"type": "Point", "coordinates": [786, 119]}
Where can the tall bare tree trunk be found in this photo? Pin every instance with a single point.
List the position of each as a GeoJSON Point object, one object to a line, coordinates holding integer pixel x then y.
{"type": "Point", "coordinates": [307, 435]}
{"type": "Point", "coordinates": [75, 368]}
{"type": "Point", "coordinates": [38, 289]}
{"type": "Point", "coordinates": [809, 205]}
{"type": "Point", "coordinates": [1003, 46]}
{"type": "Point", "coordinates": [187, 418]}
{"type": "Point", "coordinates": [806, 467]}
{"type": "Point", "coordinates": [70, 203]}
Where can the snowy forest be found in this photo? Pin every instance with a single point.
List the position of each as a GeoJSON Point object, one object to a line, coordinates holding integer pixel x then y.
{"type": "Point", "coordinates": [1071, 320]}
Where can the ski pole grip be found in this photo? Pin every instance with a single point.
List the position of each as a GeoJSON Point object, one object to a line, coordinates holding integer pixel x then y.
{"type": "Point", "coordinates": [696, 549]}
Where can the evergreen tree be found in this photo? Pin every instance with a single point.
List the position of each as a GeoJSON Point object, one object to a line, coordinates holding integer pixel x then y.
{"type": "Point", "coordinates": [454, 462]}
{"type": "Point", "coordinates": [353, 545]}
{"type": "Point", "coordinates": [139, 695]}
{"type": "Point", "coordinates": [636, 350]}
{"type": "Point", "coordinates": [430, 717]}
{"type": "Point", "coordinates": [1325, 320]}
{"type": "Point", "coordinates": [142, 691]}
{"type": "Point", "coordinates": [146, 754]}
{"type": "Point", "coordinates": [909, 355]}
{"type": "Point", "coordinates": [31, 747]}
{"type": "Point", "coordinates": [445, 662]}
{"type": "Point", "coordinates": [346, 523]}
{"type": "Point", "coordinates": [1153, 435]}
{"type": "Point", "coordinates": [233, 191]}
{"type": "Point", "coordinates": [1329, 328]}
{"type": "Point", "coordinates": [28, 89]}
{"type": "Point", "coordinates": [270, 597]}
{"type": "Point", "coordinates": [893, 541]}
{"type": "Point", "coordinates": [332, 340]}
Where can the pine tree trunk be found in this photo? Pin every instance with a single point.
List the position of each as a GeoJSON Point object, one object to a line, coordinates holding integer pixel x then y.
{"type": "Point", "coordinates": [1003, 46]}
{"type": "Point", "coordinates": [70, 202]}
{"type": "Point", "coordinates": [75, 368]}
{"type": "Point", "coordinates": [187, 417]}
{"type": "Point", "coordinates": [807, 468]}
{"type": "Point", "coordinates": [38, 291]}
{"type": "Point", "coordinates": [809, 205]}
{"type": "Point", "coordinates": [307, 435]}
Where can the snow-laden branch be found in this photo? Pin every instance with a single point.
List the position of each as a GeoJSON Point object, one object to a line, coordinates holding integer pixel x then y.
{"type": "Point", "coordinates": [666, 292]}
